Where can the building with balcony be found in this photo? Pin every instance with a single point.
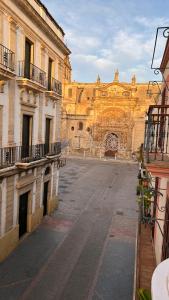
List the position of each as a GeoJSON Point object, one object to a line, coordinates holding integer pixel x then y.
{"type": "Point", "coordinates": [105, 119]}
{"type": "Point", "coordinates": [154, 175]}
{"type": "Point", "coordinates": [34, 62]}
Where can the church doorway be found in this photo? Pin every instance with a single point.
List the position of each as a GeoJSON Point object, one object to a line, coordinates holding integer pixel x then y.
{"type": "Point", "coordinates": [111, 145]}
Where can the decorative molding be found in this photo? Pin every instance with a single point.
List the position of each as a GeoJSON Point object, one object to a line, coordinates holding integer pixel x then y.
{"type": "Point", "coordinates": [34, 15]}
{"type": "Point", "coordinates": [30, 85]}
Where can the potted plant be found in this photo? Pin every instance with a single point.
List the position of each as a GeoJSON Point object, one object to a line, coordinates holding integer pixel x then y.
{"type": "Point", "coordinates": [144, 294]}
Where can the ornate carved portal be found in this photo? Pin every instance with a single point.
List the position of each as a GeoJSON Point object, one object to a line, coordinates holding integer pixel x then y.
{"type": "Point", "coordinates": [111, 144]}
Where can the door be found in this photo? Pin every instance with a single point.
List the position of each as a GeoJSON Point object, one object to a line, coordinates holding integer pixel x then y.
{"type": "Point", "coordinates": [47, 135]}
{"type": "Point", "coordinates": [50, 74]}
{"type": "Point", "coordinates": [27, 59]}
{"type": "Point", "coordinates": [111, 144]}
{"type": "Point", "coordinates": [155, 202]}
{"type": "Point", "coordinates": [45, 199]}
{"type": "Point", "coordinates": [165, 247]}
{"type": "Point", "coordinates": [26, 136]}
{"type": "Point", "coordinates": [23, 209]}
{"type": "Point", "coordinates": [110, 153]}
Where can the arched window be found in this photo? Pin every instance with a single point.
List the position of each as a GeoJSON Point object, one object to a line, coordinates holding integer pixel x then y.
{"type": "Point", "coordinates": [72, 128]}
{"type": "Point", "coordinates": [80, 125]}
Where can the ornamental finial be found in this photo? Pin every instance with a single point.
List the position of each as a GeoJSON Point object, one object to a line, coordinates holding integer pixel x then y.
{"type": "Point", "coordinates": [116, 76]}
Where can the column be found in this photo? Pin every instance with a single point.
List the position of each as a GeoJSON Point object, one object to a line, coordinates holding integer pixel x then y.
{"type": "Point", "coordinates": [42, 188]}
{"type": "Point", "coordinates": [57, 182]}
{"type": "Point", "coordinates": [3, 206]}
{"type": "Point", "coordinates": [34, 193]}
{"type": "Point", "coordinates": [15, 203]}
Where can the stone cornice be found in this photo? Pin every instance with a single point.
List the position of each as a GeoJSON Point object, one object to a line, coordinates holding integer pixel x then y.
{"type": "Point", "coordinates": [50, 16]}
{"type": "Point", "coordinates": [40, 22]}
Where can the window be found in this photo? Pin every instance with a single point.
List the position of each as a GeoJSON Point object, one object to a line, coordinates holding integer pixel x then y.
{"type": "Point", "coordinates": [80, 125]}
{"type": "Point", "coordinates": [47, 135]}
{"type": "Point", "coordinates": [50, 66]}
{"type": "Point", "coordinates": [72, 128]}
{"type": "Point", "coordinates": [28, 59]}
{"type": "Point", "coordinates": [26, 135]}
{"type": "Point", "coordinates": [70, 93]}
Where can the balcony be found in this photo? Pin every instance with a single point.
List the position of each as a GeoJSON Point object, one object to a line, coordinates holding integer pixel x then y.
{"type": "Point", "coordinates": [24, 157]}
{"type": "Point", "coordinates": [7, 63]}
{"type": "Point", "coordinates": [156, 143]}
{"type": "Point", "coordinates": [54, 89]}
{"type": "Point", "coordinates": [31, 76]}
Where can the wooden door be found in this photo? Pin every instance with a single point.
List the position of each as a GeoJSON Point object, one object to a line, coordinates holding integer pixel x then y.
{"type": "Point", "coordinates": [26, 136]}
{"type": "Point", "coordinates": [50, 74]}
{"type": "Point", "coordinates": [110, 153]}
{"type": "Point", "coordinates": [47, 135]}
{"type": "Point", "coordinates": [45, 198]}
{"type": "Point", "coordinates": [165, 247]}
{"type": "Point", "coordinates": [27, 59]}
{"type": "Point", "coordinates": [23, 208]}
{"type": "Point", "coordinates": [155, 204]}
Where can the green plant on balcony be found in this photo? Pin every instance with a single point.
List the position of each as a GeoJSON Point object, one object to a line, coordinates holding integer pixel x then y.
{"type": "Point", "coordinates": [144, 200]}
{"type": "Point", "coordinates": [144, 294]}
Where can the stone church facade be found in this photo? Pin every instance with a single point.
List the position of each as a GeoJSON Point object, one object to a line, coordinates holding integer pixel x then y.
{"type": "Point", "coordinates": [105, 119]}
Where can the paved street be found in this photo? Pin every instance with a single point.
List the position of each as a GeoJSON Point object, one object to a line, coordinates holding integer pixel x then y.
{"type": "Point", "coordinates": [85, 251]}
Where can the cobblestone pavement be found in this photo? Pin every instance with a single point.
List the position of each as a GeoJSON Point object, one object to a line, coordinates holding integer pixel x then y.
{"type": "Point", "coordinates": [85, 250]}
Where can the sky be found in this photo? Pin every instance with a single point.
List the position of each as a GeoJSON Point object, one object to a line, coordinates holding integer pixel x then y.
{"type": "Point", "coordinates": [112, 34]}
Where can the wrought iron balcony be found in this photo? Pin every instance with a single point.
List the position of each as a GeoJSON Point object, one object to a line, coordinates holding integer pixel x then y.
{"type": "Point", "coordinates": [56, 86]}
{"type": "Point", "coordinates": [32, 72]}
{"type": "Point", "coordinates": [7, 58]}
{"type": "Point", "coordinates": [156, 142]}
{"type": "Point", "coordinates": [26, 154]}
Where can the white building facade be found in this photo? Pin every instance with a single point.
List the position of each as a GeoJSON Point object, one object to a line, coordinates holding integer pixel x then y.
{"type": "Point", "coordinates": [34, 62]}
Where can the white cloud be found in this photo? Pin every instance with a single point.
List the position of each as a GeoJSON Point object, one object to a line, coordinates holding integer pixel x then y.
{"type": "Point", "coordinates": [133, 46]}
{"type": "Point", "coordinates": [123, 51]}
{"type": "Point", "coordinates": [152, 22]}
{"type": "Point", "coordinates": [110, 34]}
{"type": "Point", "coordinates": [82, 43]}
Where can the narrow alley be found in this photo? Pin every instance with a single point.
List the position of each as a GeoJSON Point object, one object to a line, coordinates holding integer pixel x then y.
{"type": "Point", "coordinates": [86, 249]}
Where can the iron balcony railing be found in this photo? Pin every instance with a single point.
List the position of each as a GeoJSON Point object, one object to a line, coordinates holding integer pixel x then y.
{"type": "Point", "coordinates": [32, 72]}
{"type": "Point", "coordinates": [56, 86]}
{"type": "Point", "coordinates": [25, 154]}
{"type": "Point", "coordinates": [7, 58]}
{"type": "Point", "coordinates": [156, 142]}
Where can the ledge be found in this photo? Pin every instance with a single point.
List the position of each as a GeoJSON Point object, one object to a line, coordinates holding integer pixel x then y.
{"type": "Point", "coordinates": [25, 166]}
{"type": "Point", "coordinates": [29, 84]}
{"type": "Point", "coordinates": [6, 74]}
{"type": "Point", "coordinates": [53, 95]}
{"type": "Point", "coordinates": [50, 157]}
{"type": "Point", "coordinates": [145, 259]}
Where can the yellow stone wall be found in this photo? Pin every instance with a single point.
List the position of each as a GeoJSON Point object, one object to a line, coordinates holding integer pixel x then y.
{"type": "Point", "coordinates": [17, 187]}
{"type": "Point", "coordinates": [116, 108]}
{"type": "Point", "coordinates": [8, 242]}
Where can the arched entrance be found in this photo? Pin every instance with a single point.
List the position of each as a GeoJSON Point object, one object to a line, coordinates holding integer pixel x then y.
{"type": "Point", "coordinates": [111, 144]}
